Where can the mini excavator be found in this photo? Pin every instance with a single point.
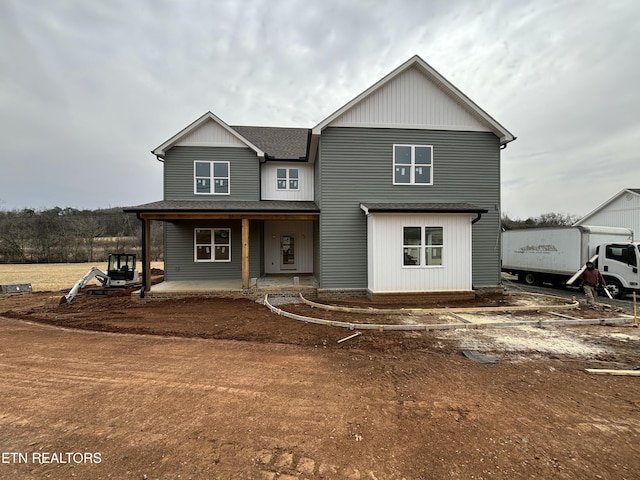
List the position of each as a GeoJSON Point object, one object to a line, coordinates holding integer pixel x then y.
{"type": "Point", "coordinates": [121, 273]}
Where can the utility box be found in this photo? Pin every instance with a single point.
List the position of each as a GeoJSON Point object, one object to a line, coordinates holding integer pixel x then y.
{"type": "Point", "coordinates": [16, 288]}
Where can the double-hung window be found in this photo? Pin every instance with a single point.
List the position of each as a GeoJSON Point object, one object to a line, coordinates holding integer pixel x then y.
{"type": "Point", "coordinates": [212, 244]}
{"type": "Point", "coordinates": [287, 178]}
{"type": "Point", "coordinates": [412, 165]}
{"type": "Point", "coordinates": [422, 246]}
{"type": "Point", "coordinates": [211, 178]}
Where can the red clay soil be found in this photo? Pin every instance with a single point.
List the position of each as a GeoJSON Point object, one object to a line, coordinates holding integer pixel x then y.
{"type": "Point", "coordinates": [225, 389]}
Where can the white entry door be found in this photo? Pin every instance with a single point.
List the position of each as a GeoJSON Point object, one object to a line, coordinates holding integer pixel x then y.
{"type": "Point", "coordinates": [287, 252]}
{"type": "Point", "coordinates": [288, 246]}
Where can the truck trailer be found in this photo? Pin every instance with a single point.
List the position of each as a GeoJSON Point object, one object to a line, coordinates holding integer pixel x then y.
{"type": "Point", "coordinates": [554, 255]}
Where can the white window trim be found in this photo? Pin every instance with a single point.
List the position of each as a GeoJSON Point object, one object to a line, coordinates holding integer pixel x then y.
{"type": "Point", "coordinates": [212, 245]}
{"type": "Point", "coordinates": [423, 247]}
{"type": "Point", "coordinates": [412, 166]}
{"type": "Point", "coordinates": [287, 178]}
{"type": "Point", "coordinates": [211, 177]}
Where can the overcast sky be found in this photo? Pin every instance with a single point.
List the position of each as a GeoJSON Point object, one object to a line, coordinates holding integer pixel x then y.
{"type": "Point", "coordinates": [88, 88]}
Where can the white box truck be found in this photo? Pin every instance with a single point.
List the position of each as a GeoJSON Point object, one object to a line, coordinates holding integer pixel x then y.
{"type": "Point", "coordinates": [554, 255]}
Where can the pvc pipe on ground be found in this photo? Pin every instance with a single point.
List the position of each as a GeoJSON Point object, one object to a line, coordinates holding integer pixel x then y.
{"type": "Point", "coordinates": [439, 326]}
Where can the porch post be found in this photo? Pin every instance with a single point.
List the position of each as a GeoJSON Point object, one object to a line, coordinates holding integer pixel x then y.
{"type": "Point", "coordinates": [245, 253]}
{"type": "Point", "coordinates": [146, 254]}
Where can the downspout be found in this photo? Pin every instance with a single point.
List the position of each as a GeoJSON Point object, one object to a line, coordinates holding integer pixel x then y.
{"type": "Point", "coordinates": [144, 263]}
{"type": "Point", "coordinates": [477, 218]}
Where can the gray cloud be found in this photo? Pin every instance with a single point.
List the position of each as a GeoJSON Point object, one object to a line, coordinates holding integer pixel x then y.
{"type": "Point", "coordinates": [89, 88]}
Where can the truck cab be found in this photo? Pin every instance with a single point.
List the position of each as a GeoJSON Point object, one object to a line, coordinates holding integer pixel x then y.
{"type": "Point", "coordinates": [618, 263]}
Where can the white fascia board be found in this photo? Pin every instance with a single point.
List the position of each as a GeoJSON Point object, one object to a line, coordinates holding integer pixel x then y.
{"type": "Point", "coordinates": [161, 150]}
{"type": "Point", "coordinates": [313, 148]}
{"type": "Point", "coordinates": [504, 135]}
{"type": "Point", "coordinates": [317, 130]}
{"type": "Point", "coordinates": [602, 206]}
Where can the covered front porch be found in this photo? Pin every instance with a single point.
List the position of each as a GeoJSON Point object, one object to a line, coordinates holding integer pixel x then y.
{"type": "Point", "coordinates": [242, 260]}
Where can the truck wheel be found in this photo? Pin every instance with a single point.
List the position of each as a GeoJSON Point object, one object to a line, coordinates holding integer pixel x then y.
{"type": "Point", "coordinates": [615, 288]}
{"type": "Point", "coordinates": [529, 278]}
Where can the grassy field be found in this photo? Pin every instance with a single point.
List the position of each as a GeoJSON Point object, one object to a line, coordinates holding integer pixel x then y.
{"type": "Point", "coordinates": [47, 277]}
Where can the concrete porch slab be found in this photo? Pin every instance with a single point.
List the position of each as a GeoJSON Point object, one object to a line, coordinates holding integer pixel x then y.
{"type": "Point", "coordinates": [277, 285]}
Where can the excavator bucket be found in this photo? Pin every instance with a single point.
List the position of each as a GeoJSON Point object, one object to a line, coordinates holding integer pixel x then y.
{"type": "Point", "coordinates": [56, 300]}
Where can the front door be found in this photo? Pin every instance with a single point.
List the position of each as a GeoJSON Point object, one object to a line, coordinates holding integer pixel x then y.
{"type": "Point", "coordinates": [287, 252]}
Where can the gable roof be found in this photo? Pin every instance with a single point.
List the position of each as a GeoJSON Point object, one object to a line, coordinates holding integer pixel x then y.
{"type": "Point", "coordinates": [161, 150]}
{"type": "Point", "coordinates": [278, 143]}
{"type": "Point", "coordinates": [433, 76]}
{"type": "Point", "coordinates": [630, 191]}
{"type": "Point", "coordinates": [275, 143]}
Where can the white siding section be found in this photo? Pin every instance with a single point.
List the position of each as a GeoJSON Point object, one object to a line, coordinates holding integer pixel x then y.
{"type": "Point", "coordinates": [411, 100]}
{"type": "Point", "coordinates": [303, 233]}
{"type": "Point", "coordinates": [385, 254]}
{"type": "Point", "coordinates": [269, 182]}
{"type": "Point", "coordinates": [210, 134]}
{"type": "Point", "coordinates": [623, 212]}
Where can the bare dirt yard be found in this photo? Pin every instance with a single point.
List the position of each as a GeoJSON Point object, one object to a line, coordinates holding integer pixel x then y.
{"type": "Point", "coordinates": [111, 387]}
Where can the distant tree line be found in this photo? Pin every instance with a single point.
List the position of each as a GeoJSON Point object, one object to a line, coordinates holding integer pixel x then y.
{"type": "Point", "coordinates": [61, 235]}
{"type": "Point", "coordinates": [545, 220]}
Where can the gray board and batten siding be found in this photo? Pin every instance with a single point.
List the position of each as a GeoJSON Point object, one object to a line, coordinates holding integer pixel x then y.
{"type": "Point", "coordinates": [179, 257]}
{"type": "Point", "coordinates": [244, 177]}
{"type": "Point", "coordinates": [355, 165]}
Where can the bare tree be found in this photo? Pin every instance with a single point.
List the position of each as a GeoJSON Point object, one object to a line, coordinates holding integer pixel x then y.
{"type": "Point", "coordinates": [551, 219]}
{"type": "Point", "coordinates": [87, 229]}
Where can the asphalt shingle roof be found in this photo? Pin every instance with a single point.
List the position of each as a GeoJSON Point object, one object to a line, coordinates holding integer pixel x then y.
{"type": "Point", "coordinates": [278, 143]}
{"type": "Point", "coordinates": [224, 206]}
{"type": "Point", "coordinates": [424, 207]}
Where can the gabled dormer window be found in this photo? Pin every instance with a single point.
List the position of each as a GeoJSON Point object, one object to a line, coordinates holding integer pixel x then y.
{"type": "Point", "coordinates": [287, 178]}
{"type": "Point", "coordinates": [412, 165]}
{"type": "Point", "coordinates": [211, 178]}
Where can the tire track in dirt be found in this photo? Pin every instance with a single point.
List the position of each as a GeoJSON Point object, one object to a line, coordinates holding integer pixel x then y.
{"type": "Point", "coordinates": [387, 407]}
{"type": "Point", "coordinates": [59, 389]}
{"type": "Point", "coordinates": [47, 378]}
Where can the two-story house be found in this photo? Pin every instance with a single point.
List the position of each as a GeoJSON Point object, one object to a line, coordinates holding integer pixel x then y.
{"type": "Point", "coordinates": [397, 191]}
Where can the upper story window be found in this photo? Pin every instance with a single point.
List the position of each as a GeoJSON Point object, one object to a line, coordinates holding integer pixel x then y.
{"type": "Point", "coordinates": [211, 178]}
{"type": "Point", "coordinates": [412, 165]}
{"type": "Point", "coordinates": [287, 178]}
{"type": "Point", "coordinates": [422, 246]}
